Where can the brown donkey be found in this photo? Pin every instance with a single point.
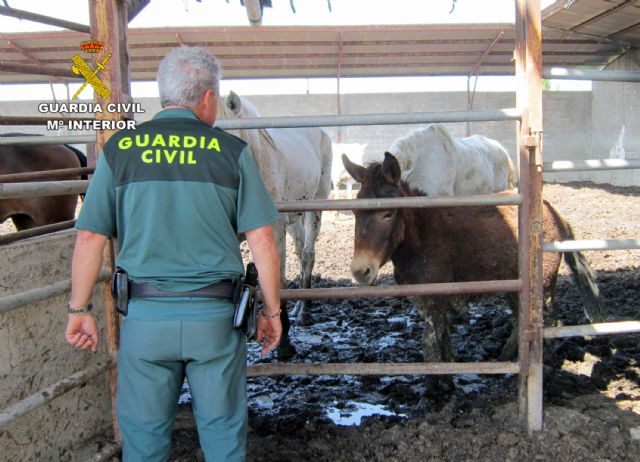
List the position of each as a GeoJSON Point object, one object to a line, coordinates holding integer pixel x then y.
{"type": "Point", "coordinates": [451, 244]}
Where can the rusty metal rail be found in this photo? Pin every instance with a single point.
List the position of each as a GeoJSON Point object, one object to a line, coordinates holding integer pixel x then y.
{"type": "Point", "coordinates": [37, 231]}
{"type": "Point", "coordinates": [399, 202]}
{"type": "Point", "coordinates": [382, 368]}
{"type": "Point", "coordinates": [602, 328]}
{"type": "Point", "coordinates": [37, 120]}
{"type": "Point", "coordinates": [106, 453]}
{"type": "Point", "coordinates": [62, 173]}
{"type": "Point", "coordinates": [45, 188]}
{"type": "Point", "coordinates": [404, 290]}
{"type": "Point", "coordinates": [40, 294]}
{"type": "Point", "coordinates": [589, 165]}
{"type": "Point", "coordinates": [591, 244]}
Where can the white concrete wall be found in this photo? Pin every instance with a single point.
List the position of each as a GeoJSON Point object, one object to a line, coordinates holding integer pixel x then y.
{"type": "Point", "coordinates": [35, 355]}
{"type": "Point", "coordinates": [616, 105]}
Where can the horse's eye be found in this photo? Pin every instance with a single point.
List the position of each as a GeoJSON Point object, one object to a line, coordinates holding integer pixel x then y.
{"type": "Point", "coordinates": [387, 216]}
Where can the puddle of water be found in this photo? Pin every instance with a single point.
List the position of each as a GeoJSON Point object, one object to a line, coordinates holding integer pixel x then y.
{"type": "Point", "coordinates": [263, 401]}
{"type": "Point", "coordinates": [354, 411]}
{"type": "Point", "coordinates": [185, 394]}
{"type": "Point", "coordinates": [468, 382]}
{"type": "Point", "coordinates": [397, 319]}
{"type": "Point", "coordinates": [309, 339]}
{"type": "Point", "coordinates": [387, 341]}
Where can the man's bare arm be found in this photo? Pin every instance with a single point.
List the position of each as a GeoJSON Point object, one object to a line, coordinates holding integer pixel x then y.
{"type": "Point", "coordinates": [265, 255]}
{"type": "Point", "coordinates": [82, 331]}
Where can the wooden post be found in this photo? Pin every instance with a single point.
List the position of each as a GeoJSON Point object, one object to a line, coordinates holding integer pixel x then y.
{"type": "Point", "coordinates": [109, 25]}
{"type": "Point", "coordinates": [529, 101]}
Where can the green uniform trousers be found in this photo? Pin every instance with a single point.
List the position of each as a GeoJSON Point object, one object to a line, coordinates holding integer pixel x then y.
{"type": "Point", "coordinates": [161, 343]}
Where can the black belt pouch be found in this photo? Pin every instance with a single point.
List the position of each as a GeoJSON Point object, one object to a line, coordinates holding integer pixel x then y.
{"type": "Point", "coordinates": [120, 291]}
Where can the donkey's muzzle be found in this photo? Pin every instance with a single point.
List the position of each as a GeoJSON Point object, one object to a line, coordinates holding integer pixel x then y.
{"type": "Point", "coordinates": [364, 271]}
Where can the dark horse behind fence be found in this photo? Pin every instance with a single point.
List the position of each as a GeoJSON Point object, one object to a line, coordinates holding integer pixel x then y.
{"type": "Point", "coordinates": [29, 212]}
{"type": "Point", "coordinates": [452, 244]}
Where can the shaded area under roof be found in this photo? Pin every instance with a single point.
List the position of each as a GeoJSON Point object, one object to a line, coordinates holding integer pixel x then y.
{"type": "Point", "coordinates": [587, 33]}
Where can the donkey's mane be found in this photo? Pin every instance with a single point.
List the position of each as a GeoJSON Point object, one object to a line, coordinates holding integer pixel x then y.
{"type": "Point", "coordinates": [374, 177]}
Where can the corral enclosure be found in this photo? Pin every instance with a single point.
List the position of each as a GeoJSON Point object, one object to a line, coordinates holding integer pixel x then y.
{"type": "Point", "coordinates": [310, 413]}
{"type": "Point", "coordinates": [577, 126]}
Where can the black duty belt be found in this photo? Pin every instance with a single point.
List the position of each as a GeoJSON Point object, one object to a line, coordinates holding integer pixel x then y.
{"type": "Point", "coordinates": [222, 289]}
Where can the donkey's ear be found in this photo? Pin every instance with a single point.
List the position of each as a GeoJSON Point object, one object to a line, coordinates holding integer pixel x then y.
{"type": "Point", "coordinates": [355, 170]}
{"type": "Point", "coordinates": [391, 169]}
{"type": "Point", "coordinates": [234, 102]}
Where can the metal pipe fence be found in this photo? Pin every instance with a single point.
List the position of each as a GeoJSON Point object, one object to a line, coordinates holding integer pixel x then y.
{"type": "Point", "coordinates": [382, 368]}
{"type": "Point", "coordinates": [63, 173]}
{"type": "Point", "coordinates": [49, 139]}
{"type": "Point", "coordinates": [36, 231]}
{"type": "Point", "coordinates": [602, 328]}
{"type": "Point", "coordinates": [39, 189]}
{"type": "Point", "coordinates": [310, 121]}
{"type": "Point", "coordinates": [40, 294]}
{"type": "Point", "coordinates": [38, 120]}
{"type": "Point", "coordinates": [591, 244]}
{"type": "Point", "coordinates": [589, 165]}
{"type": "Point", "coordinates": [404, 290]}
{"type": "Point", "coordinates": [107, 453]}
{"type": "Point", "coordinates": [59, 388]}
{"type": "Point", "coordinates": [561, 73]}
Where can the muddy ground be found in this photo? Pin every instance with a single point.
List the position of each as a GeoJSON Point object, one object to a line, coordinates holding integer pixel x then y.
{"type": "Point", "coordinates": [591, 386]}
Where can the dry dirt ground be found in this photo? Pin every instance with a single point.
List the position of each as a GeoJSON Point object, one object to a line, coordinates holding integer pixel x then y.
{"type": "Point", "coordinates": [591, 385]}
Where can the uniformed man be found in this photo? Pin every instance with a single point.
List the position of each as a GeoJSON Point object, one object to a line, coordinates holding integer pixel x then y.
{"type": "Point", "coordinates": [176, 193]}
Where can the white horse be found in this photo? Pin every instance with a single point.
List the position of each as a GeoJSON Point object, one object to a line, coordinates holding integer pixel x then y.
{"type": "Point", "coordinates": [295, 164]}
{"type": "Point", "coordinates": [438, 164]}
{"type": "Point", "coordinates": [340, 178]}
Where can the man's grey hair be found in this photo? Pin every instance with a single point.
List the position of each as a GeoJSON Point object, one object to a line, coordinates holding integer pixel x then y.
{"type": "Point", "coordinates": [184, 75]}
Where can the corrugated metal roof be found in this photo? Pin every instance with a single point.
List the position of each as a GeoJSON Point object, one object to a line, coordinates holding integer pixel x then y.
{"type": "Point", "coordinates": [586, 33]}
{"type": "Point", "coordinates": [606, 19]}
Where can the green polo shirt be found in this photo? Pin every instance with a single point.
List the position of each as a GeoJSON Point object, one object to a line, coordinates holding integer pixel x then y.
{"type": "Point", "coordinates": [176, 193]}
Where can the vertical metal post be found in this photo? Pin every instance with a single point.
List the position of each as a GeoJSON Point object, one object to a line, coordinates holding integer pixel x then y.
{"type": "Point", "coordinates": [338, 77]}
{"type": "Point", "coordinates": [109, 25]}
{"type": "Point", "coordinates": [467, 124]}
{"type": "Point", "coordinates": [529, 100]}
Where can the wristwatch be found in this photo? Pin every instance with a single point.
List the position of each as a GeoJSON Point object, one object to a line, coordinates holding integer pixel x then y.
{"type": "Point", "coordinates": [79, 310]}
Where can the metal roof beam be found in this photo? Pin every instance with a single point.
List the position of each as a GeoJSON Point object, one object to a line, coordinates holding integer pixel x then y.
{"type": "Point", "coordinates": [554, 9]}
{"type": "Point", "coordinates": [16, 68]}
{"type": "Point", "coordinates": [134, 7]}
{"type": "Point", "coordinates": [597, 38]}
{"type": "Point", "coordinates": [625, 30]}
{"type": "Point", "coordinates": [21, 14]}
{"type": "Point", "coordinates": [25, 53]}
{"type": "Point", "coordinates": [485, 53]}
{"type": "Point", "coordinates": [604, 14]}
